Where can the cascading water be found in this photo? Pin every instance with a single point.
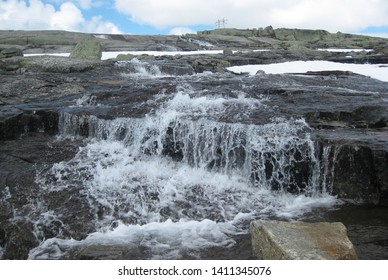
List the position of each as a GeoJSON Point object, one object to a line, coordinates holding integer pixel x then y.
{"type": "Point", "coordinates": [136, 67]}
{"type": "Point", "coordinates": [189, 176]}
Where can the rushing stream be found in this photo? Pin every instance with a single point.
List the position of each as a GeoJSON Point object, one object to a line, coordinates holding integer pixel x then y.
{"type": "Point", "coordinates": [187, 177]}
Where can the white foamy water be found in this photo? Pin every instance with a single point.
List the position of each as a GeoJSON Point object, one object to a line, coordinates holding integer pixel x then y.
{"type": "Point", "coordinates": [170, 208]}
{"type": "Point", "coordinates": [180, 180]}
{"type": "Point", "coordinates": [136, 67]}
{"type": "Point", "coordinates": [376, 71]}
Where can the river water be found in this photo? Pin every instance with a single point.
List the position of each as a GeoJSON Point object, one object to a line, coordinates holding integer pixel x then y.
{"type": "Point", "coordinates": [182, 182]}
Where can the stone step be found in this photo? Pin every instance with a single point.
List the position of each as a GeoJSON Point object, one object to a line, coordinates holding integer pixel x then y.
{"type": "Point", "coordinates": [279, 240]}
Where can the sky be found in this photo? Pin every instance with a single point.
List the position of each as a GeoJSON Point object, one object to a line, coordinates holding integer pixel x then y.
{"type": "Point", "coordinates": [189, 16]}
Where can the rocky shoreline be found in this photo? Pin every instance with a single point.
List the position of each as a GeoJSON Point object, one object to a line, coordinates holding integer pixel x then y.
{"type": "Point", "coordinates": [347, 113]}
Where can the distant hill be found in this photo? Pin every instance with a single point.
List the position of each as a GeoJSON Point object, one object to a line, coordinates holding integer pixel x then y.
{"type": "Point", "coordinates": [286, 38]}
{"type": "Point", "coordinates": [238, 39]}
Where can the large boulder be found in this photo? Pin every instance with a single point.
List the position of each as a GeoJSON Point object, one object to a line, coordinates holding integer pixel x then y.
{"type": "Point", "coordinates": [125, 57]}
{"type": "Point", "coordinates": [53, 64]}
{"type": "Point", "coordinates": [278, 240]}
{"type": "Point", "coordinates": [11, 52]}
{"type": "Point", "coordinates": [201, 65]}
{"type": "Point", "coordinates": [267, 32]}
{"type": "Point", "coordinates": [88, 49]}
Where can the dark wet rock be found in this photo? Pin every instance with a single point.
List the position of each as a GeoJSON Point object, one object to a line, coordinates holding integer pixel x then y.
{"type": "Point", "coordinates": [356, 164]}
{"type": "Point", "coordinates": [366, 225]}
{"type": "Point", "coordinates": [209, 64]}
{"type": "Point", "coordinates": [19, 193]}
{"type": "Point", "coordinates": [175, 69]}
{"type": "Point", "coordinates": [172, 148]}
{"type": "Point", "coordinates": [77, 219]}
{"type": "Point", "coordinates": [20, 240]}
{"type": "Point", "coordinates": [110, 252]}
{"type": "Point", "coordinates": [353, 167]}
{"type": "Point", "coordinates": [15, 122]}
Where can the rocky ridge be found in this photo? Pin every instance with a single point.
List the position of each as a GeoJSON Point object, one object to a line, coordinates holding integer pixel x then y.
{"type": "Point", "coordinates": [247, 39]}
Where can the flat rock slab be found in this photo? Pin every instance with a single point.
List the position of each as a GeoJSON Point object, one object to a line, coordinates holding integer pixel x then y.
{"type": "Point", "coordinates": [278, 240]}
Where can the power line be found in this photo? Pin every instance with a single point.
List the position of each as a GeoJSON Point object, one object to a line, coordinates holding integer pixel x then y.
{"type": "Point", "coordinates": [221, 23]}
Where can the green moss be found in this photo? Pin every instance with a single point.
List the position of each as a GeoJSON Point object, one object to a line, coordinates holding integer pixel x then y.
{"type": "Point", "coordinates": [125, 57]}
{"type": "Point", "coordinates": [88, 49]}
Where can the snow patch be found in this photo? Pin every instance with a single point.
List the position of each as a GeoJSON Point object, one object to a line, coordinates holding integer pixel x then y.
{"type": "Point", "coordinates": [376, 71]}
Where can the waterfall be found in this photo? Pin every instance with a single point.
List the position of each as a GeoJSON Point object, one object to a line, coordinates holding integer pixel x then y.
{"type": "Point", "coordinates": [188, 176]}
{"type": "Point", "coordinates": [279, 155]}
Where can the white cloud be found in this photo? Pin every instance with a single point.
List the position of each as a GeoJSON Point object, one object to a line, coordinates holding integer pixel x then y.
{"type": "Point", "coordinates": [332, 15]}
{"type": "Point", "coordinates": [97, 25]}
{"type": "Point", "coordinates": [36, 15]}
{"type": "Point", "coordinates": [69, 17]}
{"type": "Point", "coordinates": [85, 4]}
{"type": "Point", "coordinates": [181, 31]}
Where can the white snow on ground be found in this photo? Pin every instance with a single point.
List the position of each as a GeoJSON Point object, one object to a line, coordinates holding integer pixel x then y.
{"type": "Point", "coordinates": [346, 50]}
{"type": "Point", "coordinates": [104, 37]}
{"type": "Point", "coordinates": [108, 55]}
{"type": "Point", "coordinates": [52, 54]}
{"type": "Point", "coordinates": [376, 71]}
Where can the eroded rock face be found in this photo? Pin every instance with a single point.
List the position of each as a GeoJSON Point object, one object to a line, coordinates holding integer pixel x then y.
{"type": "Point", "coordinates": [276, 240]}
{"type": "Point", "coordinates": [356, 171]}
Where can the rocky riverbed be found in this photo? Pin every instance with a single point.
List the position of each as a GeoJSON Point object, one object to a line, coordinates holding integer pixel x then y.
{"type": "Point", "coordinates": [173, 156]}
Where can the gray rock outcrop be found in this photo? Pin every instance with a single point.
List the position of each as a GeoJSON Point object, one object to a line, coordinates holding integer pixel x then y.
{"type": "Point", "coordinates": [277, 240]}
{"type": "Point", "coordinates": [11, 52]}
{"type": "Point", "coordinates": [88, 49]}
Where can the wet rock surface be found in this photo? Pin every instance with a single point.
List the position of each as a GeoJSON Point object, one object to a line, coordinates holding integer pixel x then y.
{"type": "Point", "coordinates": [346, 113]}
{"type": "Point", "coordinates": [21, 159]}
